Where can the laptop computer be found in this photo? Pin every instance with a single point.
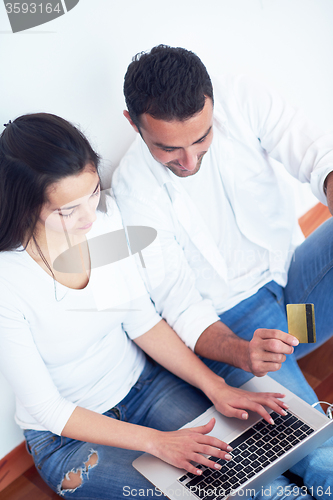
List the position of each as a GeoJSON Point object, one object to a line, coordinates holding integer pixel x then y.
{"type": "Point", "coordinates": [261, 451]}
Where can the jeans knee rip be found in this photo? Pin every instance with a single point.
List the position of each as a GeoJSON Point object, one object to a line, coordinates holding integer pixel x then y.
{"type": "Point", "coordinates": [82, 472]}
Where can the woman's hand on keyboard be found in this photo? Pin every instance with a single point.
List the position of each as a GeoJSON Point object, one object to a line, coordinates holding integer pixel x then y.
{"type": "Point", "coordinates": [180, 448]}
{"type": "Point", "coordinates": [233, 402]}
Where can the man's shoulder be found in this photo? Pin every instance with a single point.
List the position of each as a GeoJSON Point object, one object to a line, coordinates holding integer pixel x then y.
{"type": "Point", "coordinates": [232, 84]}
{"type": "Point", "coordinates": [224, 85]}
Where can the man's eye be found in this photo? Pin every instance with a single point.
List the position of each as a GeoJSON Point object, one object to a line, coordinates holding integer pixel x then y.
{"type": "Point", "coordinates": [203, 139]}
{"type": "Point", "coordinates": [168, 150]}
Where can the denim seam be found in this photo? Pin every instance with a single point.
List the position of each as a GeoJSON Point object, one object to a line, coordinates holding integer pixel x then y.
{"type": "Point", "coordinates": [46, 457]}
{"type": "Point", "coordinates": [316, 282]}
{"type": "Point", "coordinates": [38, 449]}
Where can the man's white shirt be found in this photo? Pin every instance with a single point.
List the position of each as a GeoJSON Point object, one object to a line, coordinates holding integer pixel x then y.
{"type": "Point", "coordinates": [229, 229]}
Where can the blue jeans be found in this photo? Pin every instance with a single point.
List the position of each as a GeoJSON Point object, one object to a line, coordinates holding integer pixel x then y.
{"type": "Point", "coordinates": [158, 400]}
{"type": "Point", "coordinates": [310, 280]}
{"type": "Point", "coordinates": [162, 401]}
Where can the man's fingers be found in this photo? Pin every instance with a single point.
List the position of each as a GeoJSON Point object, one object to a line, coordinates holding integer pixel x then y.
{"type": "Point", "coordinates": [264, 367]}
{"type": "Point", "coordinates": [268, 349]}
{"type": "Point", "coordinates": [274, 358]}
{"type": "Point", "coordinates": [268, 334]}
{"type": "Point", "coordinates": [277, 346]}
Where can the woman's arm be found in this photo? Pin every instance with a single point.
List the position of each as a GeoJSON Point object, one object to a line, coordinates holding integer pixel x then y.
{"type": "Point", "coordinates": [177, 448]}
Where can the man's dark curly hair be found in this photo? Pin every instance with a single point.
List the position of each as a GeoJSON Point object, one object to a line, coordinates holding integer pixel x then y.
{"type": "Point", "coordinates": [167, 83]}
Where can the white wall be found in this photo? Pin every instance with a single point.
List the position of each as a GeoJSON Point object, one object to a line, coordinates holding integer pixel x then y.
{"type": "Point", "coordinates": [74, 67]}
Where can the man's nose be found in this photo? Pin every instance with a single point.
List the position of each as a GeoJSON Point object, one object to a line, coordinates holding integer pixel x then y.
{"type": "Point", "coordinates": [189, 160]}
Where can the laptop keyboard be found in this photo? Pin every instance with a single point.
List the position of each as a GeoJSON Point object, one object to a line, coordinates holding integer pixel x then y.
{"type": "Point", "coordinates": [252, 451]}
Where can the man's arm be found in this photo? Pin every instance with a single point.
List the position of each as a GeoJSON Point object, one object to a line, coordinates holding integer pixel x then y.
{"type": "Point", "coordinates": [328, 188]}
{"type": "Point", "coordinates": [176, 297]}
{"type": "Point", "coordinates": [264, 353]}
{"type": "Point", "coordinates": [304, 149]}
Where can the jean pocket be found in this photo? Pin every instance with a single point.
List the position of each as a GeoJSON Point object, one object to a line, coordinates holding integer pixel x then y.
{"type": "Point", "coordinates": [41, 444]}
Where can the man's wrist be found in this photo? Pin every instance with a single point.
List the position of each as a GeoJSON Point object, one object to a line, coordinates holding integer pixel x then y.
{"type": "Point", "coordinates": [219, 343]}
{"type": "Point", "coordinates": [244, 355]}
{"type": "Point", "coordinates": [328, 190]}
{"type": "Point", "coordinates": [328, 178]}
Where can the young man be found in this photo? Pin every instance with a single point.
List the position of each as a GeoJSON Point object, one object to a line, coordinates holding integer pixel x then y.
{"type": "Point", "coordinates": [229, 254]}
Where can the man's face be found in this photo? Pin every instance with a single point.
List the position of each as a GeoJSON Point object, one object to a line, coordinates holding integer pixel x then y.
{"type": "Point", "coordinates": [179, 145]}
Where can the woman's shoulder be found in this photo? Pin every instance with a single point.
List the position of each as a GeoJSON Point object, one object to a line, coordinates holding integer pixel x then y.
{"type": "Point", "coordinates": [11, 258]}
{"type": "Point", "coordinates": [15, 268]}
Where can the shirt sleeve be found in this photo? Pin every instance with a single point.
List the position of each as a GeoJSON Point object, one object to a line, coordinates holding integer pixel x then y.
{"type": "Point", "coordinates": [141, 319]}
{"type": "Point", "coordinates": [167, 274]}
{"type": "Point", "coordinates": [286, 134]}
{"type": "Point", "coordinates": [25, 370]}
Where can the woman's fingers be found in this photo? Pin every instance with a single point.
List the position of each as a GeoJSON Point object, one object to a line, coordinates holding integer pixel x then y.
{"type": "Point", "coordinates": [204, 429]}
{"type": "Point", "coordinates": [271, 401]}
{"type": "Point", "coordinates": [234, 402]}
{"type": "Point", "coordinates": [181, 448]}
{"type": "Point", "coordinates": [189, 447]}
{"type": "Point", "coordinates": [210, 445]}
{"type": "Point", "coordinates": [277, 405]}
{"type": "Point", "coordinates": [212, 441]}
{"type": "Point", "coordinates": [200, 458]}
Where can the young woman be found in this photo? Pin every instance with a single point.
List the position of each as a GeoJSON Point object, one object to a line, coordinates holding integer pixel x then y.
{"type": "Point", "coordinates": [76, 329]}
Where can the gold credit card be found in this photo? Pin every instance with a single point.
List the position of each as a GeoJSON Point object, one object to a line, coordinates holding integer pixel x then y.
{"type": "Point", "coordinates": [301, 322]}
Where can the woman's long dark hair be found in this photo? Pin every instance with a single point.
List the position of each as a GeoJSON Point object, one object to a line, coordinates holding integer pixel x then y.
{"type": "Point", "coordinates": [36, 150]}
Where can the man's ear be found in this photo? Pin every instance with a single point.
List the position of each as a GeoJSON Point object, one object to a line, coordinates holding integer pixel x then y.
{"type": "Point", "coordinates": [127, 116]}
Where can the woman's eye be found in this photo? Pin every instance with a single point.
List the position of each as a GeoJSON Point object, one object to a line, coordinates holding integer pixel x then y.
{"type": "Point", "coordinates": [67, 215]}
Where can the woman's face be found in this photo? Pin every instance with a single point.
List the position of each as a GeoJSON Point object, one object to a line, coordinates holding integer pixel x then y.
{"type": "Point", "coordinates": [72, 203]}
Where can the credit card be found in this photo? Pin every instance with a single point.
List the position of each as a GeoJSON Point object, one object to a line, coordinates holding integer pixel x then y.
{"type": "Point", "coordinates": [301, 322]}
